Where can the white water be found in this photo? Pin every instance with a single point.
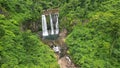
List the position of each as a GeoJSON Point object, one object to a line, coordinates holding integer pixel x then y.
{"type": "Point", "coordinates": [51, 23]}
{"type": "Point", "coordinates": [57, 28]}
{"type": "Point", "coordinates": [44, 26]}
{"type": "Point", "coordinates": [56, 49]}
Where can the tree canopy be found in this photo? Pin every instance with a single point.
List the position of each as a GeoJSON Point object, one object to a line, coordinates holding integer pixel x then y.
{"type": "Point", "coordinates": [93, 33]}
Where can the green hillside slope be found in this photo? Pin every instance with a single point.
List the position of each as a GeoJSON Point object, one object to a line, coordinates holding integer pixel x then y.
{"type": "Point", "coordinates": [20, 49]}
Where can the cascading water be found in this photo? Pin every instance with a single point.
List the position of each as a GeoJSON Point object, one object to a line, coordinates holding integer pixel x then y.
{"type": "Point", "coordinates": [54, 30]}
{"type": "Point", "coordinates": [51, 23]}
{"type": "Point", "coordinates": [57, 28]}
{"type": "Point", "coordinates": [44, 26]}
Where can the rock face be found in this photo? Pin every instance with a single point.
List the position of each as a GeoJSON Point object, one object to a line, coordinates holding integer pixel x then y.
{"type": "Point", "coordinates": [63, 60]}
{"type": "Point", "coordinates": [65, 63]}
{"type": "Point", "coordinates": [30, 25]}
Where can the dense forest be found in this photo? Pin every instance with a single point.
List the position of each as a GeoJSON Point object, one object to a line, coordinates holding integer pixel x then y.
{"type": "Point", "coordinates": [93, 38]}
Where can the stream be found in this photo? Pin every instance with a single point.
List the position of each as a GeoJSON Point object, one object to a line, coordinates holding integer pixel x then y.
{"type": "Point", "coordinates": [60, 49]}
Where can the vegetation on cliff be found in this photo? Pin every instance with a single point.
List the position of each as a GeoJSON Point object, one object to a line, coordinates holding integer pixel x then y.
{"type": "Point", "coordinates": [93, 27]}
{"type": "Point", "coordinates": [94, 41]}
{"type": "Point", "coordinates": [22, 49]}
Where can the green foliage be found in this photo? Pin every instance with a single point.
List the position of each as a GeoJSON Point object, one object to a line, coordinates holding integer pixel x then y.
{"type": "Point", "coordinates": [96, 44]}
{"type": "Point", "coordinates": [73, 12]}
{"type": "Point", "coordinates": [92, 45]}
{"type": "Point", "coordinates": [22, 49]}
{"type": "Point", "coordinates": [26, 51]}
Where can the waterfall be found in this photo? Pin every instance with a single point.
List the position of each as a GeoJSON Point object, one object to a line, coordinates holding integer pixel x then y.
{"type": "Point", "coordinates": [44, 26]}
{"type": "Point", "coordinates": [57, 28]}
{"type": "Point", "coordinates": [51, 23]}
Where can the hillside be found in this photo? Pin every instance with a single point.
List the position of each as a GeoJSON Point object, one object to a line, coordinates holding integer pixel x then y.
{"type": "Point", "coordinates": [93, 33]}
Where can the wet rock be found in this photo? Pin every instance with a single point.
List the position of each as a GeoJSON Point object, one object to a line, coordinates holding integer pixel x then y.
{"type": "Point", "coordinates": [60, 48]}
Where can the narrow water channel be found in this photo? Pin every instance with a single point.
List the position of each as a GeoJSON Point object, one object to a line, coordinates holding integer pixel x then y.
{"type": "Point", "coordinates": [60, 48]}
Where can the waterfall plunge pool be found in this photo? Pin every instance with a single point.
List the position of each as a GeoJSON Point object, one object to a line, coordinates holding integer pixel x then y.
{"type": "Point", "coordinates": [51, 37]}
